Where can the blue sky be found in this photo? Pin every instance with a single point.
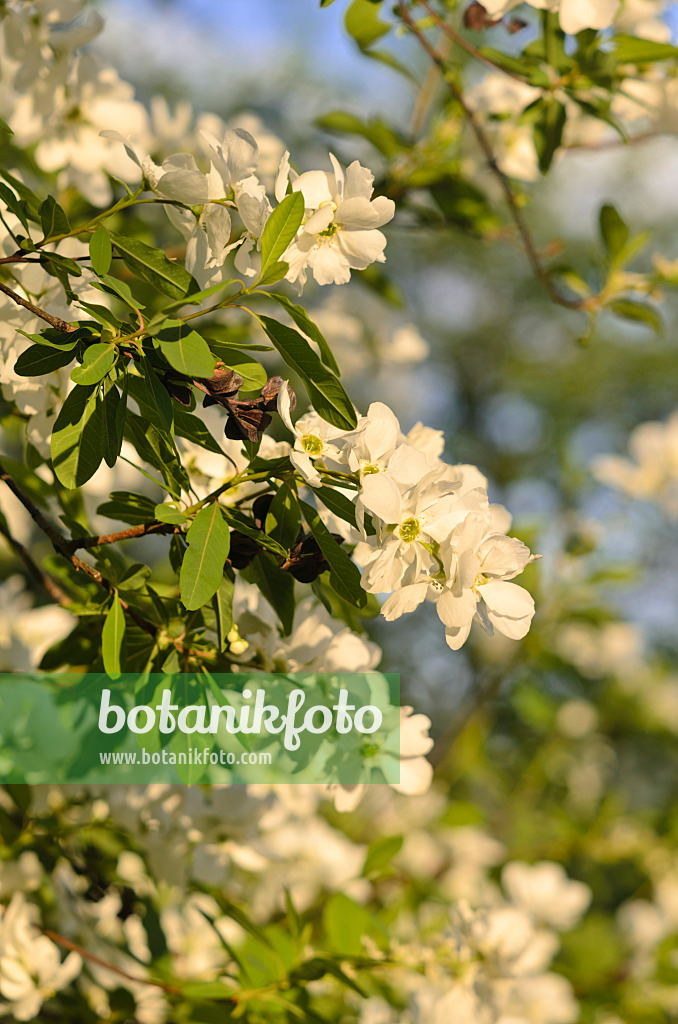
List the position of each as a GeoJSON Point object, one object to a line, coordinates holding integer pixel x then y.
{"type": "Point", "coordinates": [216, 46]}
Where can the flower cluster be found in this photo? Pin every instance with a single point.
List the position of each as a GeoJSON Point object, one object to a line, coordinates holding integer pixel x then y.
{"type": "Point", "coordinates": [338, 232]}
{"type": "Point", "coordinates": [434, 536]}
{"type": "Point", "coordinates": [652, 471]}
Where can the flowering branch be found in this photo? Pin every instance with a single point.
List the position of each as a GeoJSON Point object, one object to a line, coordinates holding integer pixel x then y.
{"type": "Point", "coordinates": [538, 268]}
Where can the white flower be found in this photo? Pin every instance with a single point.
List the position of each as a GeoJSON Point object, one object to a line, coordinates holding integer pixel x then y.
{"type": "Point", "coordinates": [546, 892]}
{"type": "Point", "coordinates": [340, 232]}
{"type": "Point", "coordinates": [313, 439]}
{"type": "Point", "coordinates": [575, 15]}
{"type": "Point", "coordinates": [31, 970]}
{"type": "Point", "coordinates": [652, 471]}
{"type": "Point", "coordinates": [478, 562]}
{"type": "Point", "coordinates": [370, 446]}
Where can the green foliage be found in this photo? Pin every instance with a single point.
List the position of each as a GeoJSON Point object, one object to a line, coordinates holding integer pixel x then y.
{"type": "Point", "coordinates": [344, 574]}
{"type": "Point", "coordinates": [281, 227]}
{"type": "Point", "coordinates": [185, 350]}
{"type": "Point", "coordinates": [113, 638]}
{"type": "Point", "coordinates": [324, 389]}
{"type": "Point", "coordinates": [153, 266]}
{"type": "Point", "coordinates": [77, 438]}
{"type": "Point", "coordinates": [100, 251]}
{"type": "Point", "coordinates": [208, 539]}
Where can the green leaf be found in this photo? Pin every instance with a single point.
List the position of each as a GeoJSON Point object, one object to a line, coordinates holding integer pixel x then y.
{"type": "Point", "coordinates": [381, 135]}
{"type": "Point", "coordinates": [120, 289]}
{"type": "Point", "coordinates": [380, 853]}
{"type": "Point", "coordinates": [613, 230]}
{"type": "Point", "coordinates": [100, 251]}
{"type": "Point", "coordinates": [168, 513]}
{"type": "Point", "coordinates": [128, 507]}
{"type": "Point", "coordinates": [157, 396]}
{"type": "Point", "coordinates": [345, 923]}
{"type": "Point", "coordinates": [324, 389]}
{"type": "Point", "coordinates": [185, 350]}
{"type": "Point", "coordinates": [318, 966]}
{"type": "Point", "coordinates": [284, 516]}
{"type": "Point", "coordinates": [202, 569]}
{"type": "Point", "coordinates": [281, 227]}
{"type": "Point", "coordinates": [38, 360]}
{"type": "Point", "coordinates": [305, 324]}
{"type": "Point", "coordinates": [56, 264]}
{"type": "Point", "coordinates": [97, 361]}
{"type": "Point", "coordinates": [548, 131]}
{"type": "Point", "coordinates": [344, 574]}
{"type": "Point", "coordinates": [339, 504]}
{"type": "Point", "coordinates": [134, 577]}
{"type": "Point", "coordinates": [237, 521]}
{"type": "Point", "coordinates": [520, 65]}
{"type": "Point", "coordinates": [634, 50]}
{"type": "Point", "coordinates": [364, 24]}
{"type": "Point", "coordinates": [111, 427]}
{"type": "Point", "coordinates": [112, 637]}
{"type": "Point", "coordinates": [24, 192]}
{"type": "Point", "coordinates": [274, 272]}
{"type": "Point", "coordinates": [152, 265]}
{"type": "Point", "coordinates": [53, 219]}
{"type": "Point", "coordinates": [222, 603]}
{"type": "Point", "coordinates": [156, 448]}
{"type": "Point", "coordinates": [275, 585]}
{"type": "Point", "coordinates": [15, 205]}
{"type": "Point", "coordinates": [640, 312]}
{"type": "Point", "coordinates": [101, 314]}
{"type": "Point", "coordinates": [63, 340]}
{"type": "Point", "coordinates": [5, 127]}
{"type": "Point", "coordinates": [193, 429]}
{"type": "Point", "coordinates": [253, 374]}
{"type": "Point", "coordinates": [77, 439]}
{"type": "Point", "coordinates": [209, 992]}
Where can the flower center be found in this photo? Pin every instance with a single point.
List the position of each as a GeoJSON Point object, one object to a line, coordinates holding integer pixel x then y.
{"type": "Point", "coordinates": [370, 468]}
{"type": "Point", "coordinates": [312, 444]}
{"type": "Point", "coordinates": [409, 529]}
{"type": "Point", "coordinates": [329, 232]}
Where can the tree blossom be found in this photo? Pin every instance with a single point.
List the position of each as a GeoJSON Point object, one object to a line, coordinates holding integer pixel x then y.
{"type": "Point", "coordinates": [339, 233]}
{"type": "Point", "coordinates": [314, 439]}
{"type": "Point", "coordinates": [31, 970]}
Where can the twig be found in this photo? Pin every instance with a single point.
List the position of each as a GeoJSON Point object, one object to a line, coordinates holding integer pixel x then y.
{"type": "Point", "coordinates": [61, 940]}
{"type": "Point", "coordinates": [521, 224]}
{"type": "Point", "coordinates": [98, 541]}
{"type": "Point", "coordinates": [53, 321]}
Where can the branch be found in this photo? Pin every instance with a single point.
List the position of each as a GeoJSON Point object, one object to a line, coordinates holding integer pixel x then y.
{"type": "Point", "coordinates": [54, 591]}
{"type": "Point", "coordinates": [519, 220]}
{"type": "Point", "coordinates": [61, 940]}
{"type": "Point", "coordinates": [62, 546]}
{"type": "Point", "coordinates": [53, 321]}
